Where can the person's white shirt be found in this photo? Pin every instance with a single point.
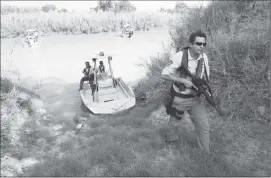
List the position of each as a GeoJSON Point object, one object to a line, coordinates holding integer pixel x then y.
{"type": "Point", "coordinates": [192, 66]}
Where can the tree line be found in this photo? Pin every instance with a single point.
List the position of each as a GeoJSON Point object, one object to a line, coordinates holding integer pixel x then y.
{"type": "Point", "coordinates": [115, 6]}
{"type": "Point", "coordinates": [102, 5]}
{"type": "Point", "coordinates": [180, 7]}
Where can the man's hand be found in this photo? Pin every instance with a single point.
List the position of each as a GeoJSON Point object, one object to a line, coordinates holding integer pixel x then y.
{"type": "Point", "coordinates": [173, 78]}
{"type": "Point", "coordinates": [188, 84]}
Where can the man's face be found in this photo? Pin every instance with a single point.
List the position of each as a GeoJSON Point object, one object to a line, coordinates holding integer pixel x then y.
{"type": "Point", "coordinates": [87, 65]}
{"type": "Point", "coordinates": [199, 45]}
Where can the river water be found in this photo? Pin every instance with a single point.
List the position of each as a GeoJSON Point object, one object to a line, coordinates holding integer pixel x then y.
{"type": "Point", "coordinates": [59, 60]}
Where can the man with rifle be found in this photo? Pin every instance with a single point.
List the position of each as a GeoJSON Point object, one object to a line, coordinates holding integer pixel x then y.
{"type": "Point", "coordinates": [189, 74]}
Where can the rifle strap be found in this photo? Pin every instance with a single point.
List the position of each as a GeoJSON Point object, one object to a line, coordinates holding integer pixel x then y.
{"type": "Point", "coordinates": [190, 74]}
{"type": "Point", "coordinates": [184, 64]}
{"type": "Point", "coordinates": [206, 74]}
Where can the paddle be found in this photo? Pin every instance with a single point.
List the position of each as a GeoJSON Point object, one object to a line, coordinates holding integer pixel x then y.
{"type": "Point", "coordinates": [111, 70]}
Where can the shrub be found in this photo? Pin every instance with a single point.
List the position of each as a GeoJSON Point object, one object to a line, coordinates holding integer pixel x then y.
{"type": "Point", "coordinates": [12, 118]}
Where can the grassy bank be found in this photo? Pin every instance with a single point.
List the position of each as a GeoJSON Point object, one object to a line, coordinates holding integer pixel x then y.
{"type": "Point", "coordinates": [50, 23]}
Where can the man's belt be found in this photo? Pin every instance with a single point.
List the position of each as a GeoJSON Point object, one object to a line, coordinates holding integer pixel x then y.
{"type": "Point", "coordinates": [174, 93]}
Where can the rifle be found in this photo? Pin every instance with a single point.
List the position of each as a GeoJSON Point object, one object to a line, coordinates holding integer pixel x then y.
{"type": "Point", "coordinates": [204, 88]}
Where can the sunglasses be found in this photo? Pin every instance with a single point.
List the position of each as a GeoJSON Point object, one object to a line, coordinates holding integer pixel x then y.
{"type": "Point", "coordinates": [200, 44]}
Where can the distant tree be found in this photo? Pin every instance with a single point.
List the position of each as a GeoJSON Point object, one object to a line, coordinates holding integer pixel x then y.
{"type": "Point", "coordinates": [109, 4]}
{"type": "Point", "coordinates": [93, 9]}
{"type": "Point", "coordinates": [96, 9]}
{"type": "Point", "coordinates": [124, 6]}
{"type": "Point", "coordinates": [105, 5]}
{"type": "Point", "coordinates": [63, 10]}
{"type": "Point", "coordinates": [48, 7]}
{"type": "Point", "coordinates": [181, 7]}
{"type": "Point", "coordinates": [116, 6]}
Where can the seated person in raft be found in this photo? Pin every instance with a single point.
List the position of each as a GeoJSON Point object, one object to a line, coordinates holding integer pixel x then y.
{"type": "Point", "coordinates": [88, 72]}
{"type": "Point", "coordinates": [101, 70]}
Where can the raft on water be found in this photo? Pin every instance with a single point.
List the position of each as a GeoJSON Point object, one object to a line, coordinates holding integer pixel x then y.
{"type": "Point", "coordinates": [113, 94]}
{"type": "Point", "coordinates": [31, 38]}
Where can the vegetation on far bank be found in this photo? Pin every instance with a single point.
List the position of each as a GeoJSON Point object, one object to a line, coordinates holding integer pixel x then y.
{"type": "Point", "coordinates": [103, 18]}
{"type": "Point", "coordinates": [13, 25]}
{"type": "Point", "coordinates": [102, 5]}
{"type": "Point", "coordinates": [132, 143]}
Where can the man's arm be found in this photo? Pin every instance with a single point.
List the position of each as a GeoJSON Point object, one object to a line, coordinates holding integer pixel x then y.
{"type": "Point", "coordinates": [84, 72]}
{"type": "Point", "coordinates": [172, 78]}
{"type": "Point", "coordinates": [169, 72]}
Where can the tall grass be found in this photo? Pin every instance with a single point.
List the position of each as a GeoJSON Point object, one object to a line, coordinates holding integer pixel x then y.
{"type": "Point", "coordinates": [16, 114]}
{"type": "Point", "coordinates": [13, 25]}
{"type": "Point", "coordinates": [12, 115]}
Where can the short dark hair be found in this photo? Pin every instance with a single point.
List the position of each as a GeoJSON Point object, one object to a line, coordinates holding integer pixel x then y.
{"type": "Point", "coordinates": [87, 62]}
{"type": "Point", "coordinates": [198, 33]}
